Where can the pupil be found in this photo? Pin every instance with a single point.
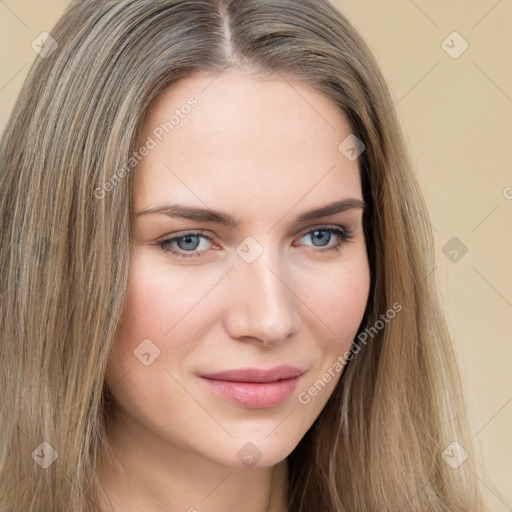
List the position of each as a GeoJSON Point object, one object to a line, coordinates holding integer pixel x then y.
{"type": "Point", "coordinates": [191, 239]}
{"type": "Point", "coordinates": [326, 236]}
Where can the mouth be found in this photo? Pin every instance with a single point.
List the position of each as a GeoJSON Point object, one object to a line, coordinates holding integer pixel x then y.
{"type": "Point", "coordinates": [254, 388]}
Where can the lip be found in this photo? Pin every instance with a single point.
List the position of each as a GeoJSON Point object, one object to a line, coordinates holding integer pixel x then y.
{"type": "Point", "coordinates": [255, 388]}
{"type": "Point", "coordinates": [256, 374]}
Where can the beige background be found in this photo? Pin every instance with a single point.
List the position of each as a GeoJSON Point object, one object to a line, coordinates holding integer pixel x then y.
{"type": "Point", "coordinates": [457, 113]}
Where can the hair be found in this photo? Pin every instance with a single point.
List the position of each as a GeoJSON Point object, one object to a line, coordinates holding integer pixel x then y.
{"type": "Point", "coordinates": [377, 445]}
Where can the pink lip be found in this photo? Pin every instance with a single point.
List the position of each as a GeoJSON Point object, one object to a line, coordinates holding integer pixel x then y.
{"type": "Point", "coordinates": [253, 387]}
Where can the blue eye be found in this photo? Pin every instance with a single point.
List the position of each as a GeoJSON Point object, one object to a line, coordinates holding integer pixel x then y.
{"type": "Point", "coordinates": [188, 245]}
{"type": "Point", "coordinates": [324, 235]}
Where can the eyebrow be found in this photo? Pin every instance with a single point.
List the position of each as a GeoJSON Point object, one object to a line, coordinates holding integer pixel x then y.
{"type": "Point", "coordinates": [215, 216]}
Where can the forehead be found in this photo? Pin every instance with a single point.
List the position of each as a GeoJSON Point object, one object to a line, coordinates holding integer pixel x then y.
{"type": "Point", "coordinates": [244, 136]}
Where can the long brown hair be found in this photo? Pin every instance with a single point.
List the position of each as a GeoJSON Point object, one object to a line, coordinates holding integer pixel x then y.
{"type": "Point", "coordinates": [65, 237]}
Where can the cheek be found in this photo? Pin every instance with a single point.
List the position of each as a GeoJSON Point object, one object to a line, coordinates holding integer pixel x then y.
{"type": "Point", "coordinates": [351, 297]}
{"type": "Point", "coordinates": [338, 309]}
{"type": "Point", "coordinates": [163, 316]}
{"type": "Point", "coordinates": [338, 305]}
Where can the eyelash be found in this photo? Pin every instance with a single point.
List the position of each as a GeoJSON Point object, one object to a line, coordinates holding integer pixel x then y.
{"type": "Point", "coordinates": [343, 237]}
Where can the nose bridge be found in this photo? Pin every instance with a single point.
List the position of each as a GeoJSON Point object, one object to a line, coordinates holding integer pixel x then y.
{"type": "Point", "coordinates": [262, 306]}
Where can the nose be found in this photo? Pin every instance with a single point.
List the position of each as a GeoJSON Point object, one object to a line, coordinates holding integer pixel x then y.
{"type": "Point", "coordinates": [262, 305]}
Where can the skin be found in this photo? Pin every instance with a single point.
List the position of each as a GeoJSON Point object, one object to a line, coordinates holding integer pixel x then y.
{"type": "Point", "coordinates": [264, 152]}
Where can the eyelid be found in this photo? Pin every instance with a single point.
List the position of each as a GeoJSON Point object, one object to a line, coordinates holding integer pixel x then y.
{"type": "Point", "coordinates": [204, 233]}
{"type": "Point", "coordinates": [163, 242]}
{"type": "Point", "coordinates": [326, 227]}
{"type": "Point", "coordinates": [342, 232]}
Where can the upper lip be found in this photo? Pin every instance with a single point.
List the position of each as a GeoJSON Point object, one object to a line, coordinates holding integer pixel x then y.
{"type": "Point", "coordinates": [256, 374]}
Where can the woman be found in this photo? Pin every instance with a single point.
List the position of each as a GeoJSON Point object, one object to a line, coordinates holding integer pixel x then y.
{"type": "Point", "coordinates": [217, 273]}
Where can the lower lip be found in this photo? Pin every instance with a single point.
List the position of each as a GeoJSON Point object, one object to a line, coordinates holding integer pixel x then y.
{"type": "Point", "coordinates": [254, 395]}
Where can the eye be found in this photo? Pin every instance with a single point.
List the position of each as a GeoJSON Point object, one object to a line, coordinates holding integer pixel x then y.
{"type": "Point", "coordinates": [186, 244]}
{"type": "Point", "coordinates": [327, 238]}
{"type": "Point", "coordinates": [195, 243]}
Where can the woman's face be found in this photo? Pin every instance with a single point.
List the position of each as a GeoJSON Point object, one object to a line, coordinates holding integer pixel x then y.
{"type": "Point", "coordinates": [276, 286]}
